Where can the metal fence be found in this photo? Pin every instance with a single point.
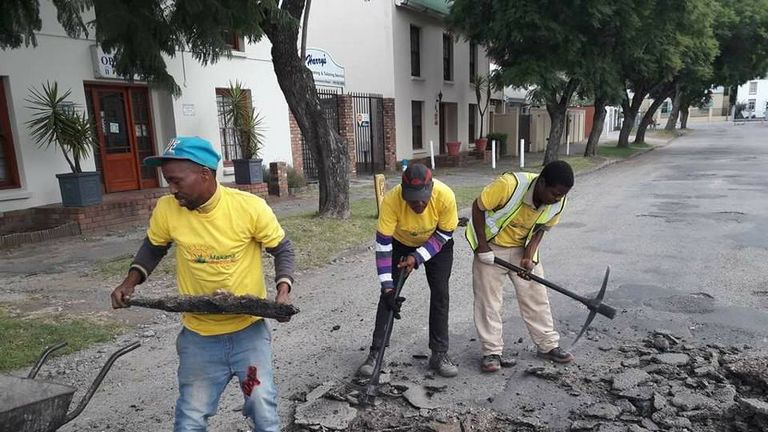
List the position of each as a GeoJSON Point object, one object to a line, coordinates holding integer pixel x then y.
{"type": "Point", "coordinates": [369, 132]}
{"type": "Point", "coordinates": [329, 101]}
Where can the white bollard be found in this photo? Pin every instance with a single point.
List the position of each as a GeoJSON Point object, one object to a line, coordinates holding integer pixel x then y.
{"type": "Point", "coordinates": [567, 146]}
{"type": "Point", "coordinates": [432, 154]}
{"type": "Point", "coordinates": [493, 154]}
{"type": "Point", "coordinates": [522, 152]}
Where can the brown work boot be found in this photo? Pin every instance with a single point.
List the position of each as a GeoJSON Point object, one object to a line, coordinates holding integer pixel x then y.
{"type": "Point", "coordinates": [491, 363]}
{"type": "Point", "coordinates": [557, 355]}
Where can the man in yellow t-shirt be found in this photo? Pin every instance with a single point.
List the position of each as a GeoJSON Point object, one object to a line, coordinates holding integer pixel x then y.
{"type": "Point", "coordinates": [416, 223]}
{"type": "Point", "coordinates": [517, 242]}
{"type": "Point", "coordinates": [219, 235]}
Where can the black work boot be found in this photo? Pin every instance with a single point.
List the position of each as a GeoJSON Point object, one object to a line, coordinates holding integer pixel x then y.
{"type": "Point", "coordinates": [557, 355]}
{"type": "Point", "coordinates": [366, 369]}
{"type": "Point", "coordinates": [441, 363]}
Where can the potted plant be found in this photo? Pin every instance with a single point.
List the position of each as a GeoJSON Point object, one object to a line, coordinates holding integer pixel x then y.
{"type": "Point", "coordinates": [55, 120]}
{"type": "Point", "coordinates": [482, 84]}
{"type": "Point", "coordinates": [454, 147]}
{"type": "Point", "coordinates": [249, 133]}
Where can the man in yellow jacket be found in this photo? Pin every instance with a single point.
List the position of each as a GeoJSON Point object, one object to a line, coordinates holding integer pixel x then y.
{"type": "Point", "coordinates": [509, 220]}
{"type": "Point", "coordinates": [219, 234]}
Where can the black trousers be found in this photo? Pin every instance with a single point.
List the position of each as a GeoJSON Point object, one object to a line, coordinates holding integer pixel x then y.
{"type": "Point", "coordinates": [438, 270]}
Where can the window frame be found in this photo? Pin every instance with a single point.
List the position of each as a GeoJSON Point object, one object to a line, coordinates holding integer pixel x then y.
{"type": "Point", "coordinates": [225, 146]}
{"type": "Point", "coordinates": [234, 41]}
{"type": "Point", "coordinates": [752, 88]}
{"type": "Point", "coordinates": [447, 57]}
{"type": "Point", "coordinates": [417, 139]}
{"type": "Point", "coordinates": [9, 152]}
{"type": "Point", "coordinates": [415, 49]}
{"type": "Point", "coordinates": [472, 61]}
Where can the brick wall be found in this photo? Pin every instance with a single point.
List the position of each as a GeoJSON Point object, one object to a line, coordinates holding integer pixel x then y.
{"type": "Point", "coordinates": [278, 182]}
{"type": "Point", "coordinates": [298, 157]}
{"type": "Point", "coordinates": [347, 129]}
{"type": "Point", "coordinates": [390, 136]}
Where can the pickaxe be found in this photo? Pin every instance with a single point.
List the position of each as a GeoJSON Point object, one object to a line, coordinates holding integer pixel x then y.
{"type": "Point", "coordinates": [595, 305]}
{"type": "Point", "coordinates": [368, 397]}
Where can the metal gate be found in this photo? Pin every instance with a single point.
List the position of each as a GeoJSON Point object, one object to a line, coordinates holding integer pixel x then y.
{"type": "Point", "coordinates": [369, 132]}
{"type": "Point", "coordinates": [330, 104]}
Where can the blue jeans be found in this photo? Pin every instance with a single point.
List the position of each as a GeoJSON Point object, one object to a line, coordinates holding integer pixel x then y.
{"type": "Point", "coordinates": [208, 363]}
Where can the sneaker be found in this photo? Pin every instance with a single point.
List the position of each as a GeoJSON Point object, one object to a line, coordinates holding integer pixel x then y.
{"type": "Point", "coordinates": [443, 364]}
{"type": "Point", "coordinates": [491, 363]}
{"type": "Point", "coordinates": [366, 369]}
{"type": "Point", "coordinates": [557, 355]}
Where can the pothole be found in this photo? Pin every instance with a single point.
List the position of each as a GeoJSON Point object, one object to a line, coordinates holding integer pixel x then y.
{"type": "Point", "coordinates": [693, 303]}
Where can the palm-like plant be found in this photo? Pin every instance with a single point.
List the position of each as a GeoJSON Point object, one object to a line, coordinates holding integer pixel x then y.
{"type": "Point", "coordinates": [57, 121]}
{"type": "Point", "coordinates": [482, 86]}
{"type": "Point", "coordinates": [248, 124]}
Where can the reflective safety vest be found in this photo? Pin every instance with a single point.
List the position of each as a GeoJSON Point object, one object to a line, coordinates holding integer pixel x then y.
{"type": "Point", "coordinates": [496, 220]}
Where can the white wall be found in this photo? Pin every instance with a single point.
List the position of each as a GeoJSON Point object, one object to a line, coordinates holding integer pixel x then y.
{"type": "Point", "coordinates": [760, 98]}
{"type": "Point", "coordinates": [357, 35]}
{"type": "Point", "coordinates": [68, 61]}
{"type": "Point", "coordinates": [427, 87]}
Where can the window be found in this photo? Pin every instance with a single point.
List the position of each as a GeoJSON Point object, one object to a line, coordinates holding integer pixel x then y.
{"type": "Point", "coordinates": [234, 41]}
{"type": "Point", "coordinates": [9, 177]}
{"type": "Point", "coordinates": [472, 122]}
{"type": "Point", "coordinates": [416, 124]}
{"type": "Point", "coordinates": [753, 87]}
{"type": "Point", "coordinates": [415, 51]}
{"type": "Point", "coordinates": [229, 148]}
{"type": "Point", "coordinates": [472, 61]}
{"type": "Point", "coordinates": [447, 57]}
{"type": "Point", "coordinates": [665, 107]}
{"type": "Point", "coordinates": [751, 105]}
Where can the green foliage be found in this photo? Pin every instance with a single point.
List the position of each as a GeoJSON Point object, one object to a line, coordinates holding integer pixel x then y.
{"type": "Point", "coordinates": [248, 124]}
{"type": "Point", "coordinates": [57, 121]}
{"type": "Point", "coordinates": [741, 30]}
{"type": "Point", "coordinates": [295, 178]}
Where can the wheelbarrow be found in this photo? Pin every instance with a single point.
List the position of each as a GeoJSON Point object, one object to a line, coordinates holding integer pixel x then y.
{"type": "Point", "coordinates": [30, 405]}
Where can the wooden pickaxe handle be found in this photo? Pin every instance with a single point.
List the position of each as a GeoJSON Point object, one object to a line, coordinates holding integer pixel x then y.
{"type": "Point", "coordinates": [595, 304]}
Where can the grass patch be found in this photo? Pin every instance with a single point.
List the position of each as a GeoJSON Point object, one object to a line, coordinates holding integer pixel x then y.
{"type": "Point", "coordinates": [24, 338]}
{"type": "Point", "coordinates": [621, 152]}
{"type": "Point", "coordinates": [118, 266]}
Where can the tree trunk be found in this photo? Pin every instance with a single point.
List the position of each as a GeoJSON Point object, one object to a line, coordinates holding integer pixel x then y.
{"type": "Point", "coordinates": [557, 107]}
{"type": "Point", "coordinates": [684, 116]}
{"type": "Point", "coordinates": [675, 113]}
{"type": "Point", "coordinates": [330, 153]}
{"type": "Point", "coordinates": [304, 28]}
{"type": "Point", "coordinates": [598, 119]}
{"type": "Point", "coordinates": [630, 109]}
{"type": "Point", "coordinates": [647, 117]}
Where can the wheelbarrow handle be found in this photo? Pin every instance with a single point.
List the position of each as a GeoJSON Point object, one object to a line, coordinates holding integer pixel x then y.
{"type": "Point", "coordinates": [43, 357]}
{"type": "Point", "coordinates": [97, 382]}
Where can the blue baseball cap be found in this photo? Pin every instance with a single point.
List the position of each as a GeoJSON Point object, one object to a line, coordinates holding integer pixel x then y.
{"type": "Point", "coordinates": [195, 149]}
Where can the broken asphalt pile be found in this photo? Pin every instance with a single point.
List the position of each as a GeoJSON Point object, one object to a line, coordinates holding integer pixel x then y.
{"type": "Point", "coordinates": [662, 384]}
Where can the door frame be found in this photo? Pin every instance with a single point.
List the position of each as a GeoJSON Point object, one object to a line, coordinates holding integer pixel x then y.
{"type": "Point", "coordinates": [126, 89]}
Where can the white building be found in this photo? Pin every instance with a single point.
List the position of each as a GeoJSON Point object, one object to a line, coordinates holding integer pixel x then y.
{"type": "Point", "coordinates": [401, 50]}
{"type": "Point", "coordinates": [133, 120]}
{"type": "Point", "coordinates": [754, 94]}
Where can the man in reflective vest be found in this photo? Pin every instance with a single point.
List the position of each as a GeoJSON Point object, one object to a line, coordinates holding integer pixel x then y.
{"type": "Point", "coordinates": [509, 220]}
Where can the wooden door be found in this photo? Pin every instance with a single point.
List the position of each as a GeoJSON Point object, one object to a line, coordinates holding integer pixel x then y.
{"type": "Point", "coordinates": [118, 156]}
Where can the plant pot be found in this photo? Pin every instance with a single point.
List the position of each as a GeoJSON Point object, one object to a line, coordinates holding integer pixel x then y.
{"type": "Point", "coordinates": [453, 147]}
{"type": "Point", "coordinates": [481, 144]}
{"type": "Point", "coordinates": [80, 189]}
{"type": "Point", "coordinates": [248, 171]}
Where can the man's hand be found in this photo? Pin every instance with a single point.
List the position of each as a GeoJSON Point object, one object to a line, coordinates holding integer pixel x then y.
{"type": "Point", "coordinates": [122, 294]}
{"type": "Point", "coordinates": [528, 265]}
{"type": "Point", "coordinates": [485, 254]}
{"type": "Point", "coordinates": [391, 302]}
{"type": "Point", "coordinates": [407, 264]}
{"type": "Point", "coordinates": [283, 297]}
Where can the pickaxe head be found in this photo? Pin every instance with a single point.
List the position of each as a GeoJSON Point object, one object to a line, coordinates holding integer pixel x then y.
{"type": "Point", "coordinates": [596, 306]}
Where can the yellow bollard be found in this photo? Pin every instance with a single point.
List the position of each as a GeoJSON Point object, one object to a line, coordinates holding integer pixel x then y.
{"type": "Point", "coordinates": [379, 187]}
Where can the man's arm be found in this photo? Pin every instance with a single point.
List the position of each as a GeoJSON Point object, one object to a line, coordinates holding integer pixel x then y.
{"type": "Point", "coordinates": [478, 222]}
{"type": "Point", "coordinates": [530, 250]}
{"type": "Point", "coordinates": [285, 263]}
{"type": "Point", "coordinates": [145, 261]}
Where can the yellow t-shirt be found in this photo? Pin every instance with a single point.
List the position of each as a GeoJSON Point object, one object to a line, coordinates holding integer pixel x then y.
{"type": "Point", "coordinates": [495, 196]}
{"type": "Point", "coordinates": [218, 246]}
{"type": "Point", "coordinates": [411, 229]}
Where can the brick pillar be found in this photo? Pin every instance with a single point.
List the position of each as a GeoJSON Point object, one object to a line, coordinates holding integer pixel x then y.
{"type": "Point", "coordinates": [278, 179]}
{"type": "Point", "coordinates": [347, 129]}
{"type": "Point", "coordinates": [298, 156]}
{"type": "Point", "coordinates": [390, 136]}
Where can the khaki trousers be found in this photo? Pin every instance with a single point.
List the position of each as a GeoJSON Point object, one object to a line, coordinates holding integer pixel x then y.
{"type": "Point", "coordinates": [488, 286]}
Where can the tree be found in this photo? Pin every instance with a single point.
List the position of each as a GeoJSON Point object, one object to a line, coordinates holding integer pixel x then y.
{"type": "Point", "coordinates": [654, 48]}
{"type": "Point", "coordinates": [482, 85]}
{"type": "Point", "coordinates": [541, 45]}
{"type": "Point", "coordinates": [143, 33]}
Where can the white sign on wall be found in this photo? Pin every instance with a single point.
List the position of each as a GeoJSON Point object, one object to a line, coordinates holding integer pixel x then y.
{"type": "Point", "coordinates": [324, 69]}
{"type": "Point", "coordinates": [104, 64]}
